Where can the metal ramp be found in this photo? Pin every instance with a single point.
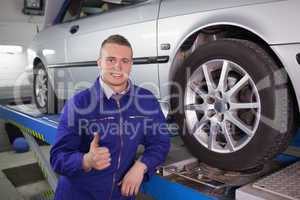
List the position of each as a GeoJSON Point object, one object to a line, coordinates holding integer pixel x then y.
{"type": "Point", "coordinates": [284, 185]}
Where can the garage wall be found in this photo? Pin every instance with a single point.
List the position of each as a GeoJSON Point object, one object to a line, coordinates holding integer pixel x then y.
{"type": "Point", "coordinates": [15, 27]}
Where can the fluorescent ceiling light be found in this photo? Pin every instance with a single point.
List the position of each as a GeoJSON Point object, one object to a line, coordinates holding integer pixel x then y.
{"type": "Point", "coordinates": [11, 49]}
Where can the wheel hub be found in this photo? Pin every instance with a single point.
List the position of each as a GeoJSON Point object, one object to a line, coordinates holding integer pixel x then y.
{"type": "Point", "coordinates": [220, 106]}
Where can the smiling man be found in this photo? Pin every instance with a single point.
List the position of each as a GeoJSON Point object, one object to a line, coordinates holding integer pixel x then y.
{"type": "Point", "coordinates": [97, 159]}
{"type": "Point", "coordinates": [115, 62]}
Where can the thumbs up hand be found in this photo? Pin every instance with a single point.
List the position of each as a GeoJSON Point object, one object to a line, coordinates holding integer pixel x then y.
{"type": "Point", "coordinates": [97, 157]}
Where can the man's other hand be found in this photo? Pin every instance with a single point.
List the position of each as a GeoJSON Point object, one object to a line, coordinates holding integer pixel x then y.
{"type": "Point", "coordinates": [132, 181]}
{"type": "Point", "coordinates": [97, 157]}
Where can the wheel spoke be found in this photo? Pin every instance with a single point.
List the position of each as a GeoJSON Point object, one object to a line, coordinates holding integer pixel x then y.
{"type": "Point", "coordinates": [39, 97]}
{"type": "Point", "coordinates": [223, 76]}
{"type": "Point", "coordinates": [237, 106]}
{"type": "Point", "coordinates": [43, 92]}
{"type": "Point", "coordinates": [208, 78]}
{"type": "Point", "coordinates": [44, 87]}
{"type": "Point", "coordinates": [44, 81]}
{"type": "Point", "coordinates": [37, 90]}
{"type": "Point", "coordinates": [42, 100]}
{"type": "Point", "coordinates": [212, 135]}
{"type": "Point", "coordinates": [241, 125]}
{"type": "Point", "coordinates": [239, 85]}
{"type": "Point", "coordinates": [195, 107]}
{"type": "Point", "coordinates": [40, 77]}
{"type": "Point", "coordinates": [197, 90]}
{"type": "Point", "coordinates": [199, 125]}
{"type": "Point", "coordinates": [228, 138]}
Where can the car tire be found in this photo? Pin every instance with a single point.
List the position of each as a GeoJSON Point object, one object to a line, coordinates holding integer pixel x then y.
{"type": "Point", "coordinates": [241, 123]}
{"type": "Point", "coordinates": [41, 88]}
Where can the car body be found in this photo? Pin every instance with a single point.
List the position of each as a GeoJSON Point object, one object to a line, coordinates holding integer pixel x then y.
{"type": "Point", "coordinates": [163, 34]}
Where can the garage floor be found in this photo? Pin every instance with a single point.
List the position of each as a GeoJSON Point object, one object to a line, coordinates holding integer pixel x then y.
{"type": "Point", "coordinates": [25, 188]}
{"type": "Point", "coordinates": [20, 175]}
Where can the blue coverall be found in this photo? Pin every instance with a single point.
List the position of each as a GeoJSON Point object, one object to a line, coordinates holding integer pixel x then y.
{"type": "Point", "coordinates": [123, 125]}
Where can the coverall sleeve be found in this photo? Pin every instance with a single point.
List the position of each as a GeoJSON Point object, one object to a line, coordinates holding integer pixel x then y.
{"type": "Point", "coordinates": [156, 142]}
{"type": "Point", "coordinates": [65, 157]}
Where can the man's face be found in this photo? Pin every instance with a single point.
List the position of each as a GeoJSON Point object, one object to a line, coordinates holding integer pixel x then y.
{"type": "Point", "coordinates": [115, 62]}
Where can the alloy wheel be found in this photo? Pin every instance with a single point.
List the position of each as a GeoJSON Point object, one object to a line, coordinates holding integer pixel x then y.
{"type": "Point", "coordinates": [222, 106]}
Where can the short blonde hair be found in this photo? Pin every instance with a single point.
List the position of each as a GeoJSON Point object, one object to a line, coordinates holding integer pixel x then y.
{"type": "Point", "coordinates": [116, 39]}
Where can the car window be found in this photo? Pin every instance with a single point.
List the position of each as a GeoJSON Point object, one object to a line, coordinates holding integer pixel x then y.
{"type": "Point", "coordinates": [71, 13]}
{"type": "Point", "coordinates": [76, 9]}
{"type": "Point", "coordinates": [95, 7]}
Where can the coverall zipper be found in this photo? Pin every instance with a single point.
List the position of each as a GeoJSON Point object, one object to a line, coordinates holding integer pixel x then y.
{"type": "Point", "coordinates": [121, 144]}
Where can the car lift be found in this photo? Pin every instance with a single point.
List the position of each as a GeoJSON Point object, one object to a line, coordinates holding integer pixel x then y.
{"type": "Point", "coordinates": [182, 176]}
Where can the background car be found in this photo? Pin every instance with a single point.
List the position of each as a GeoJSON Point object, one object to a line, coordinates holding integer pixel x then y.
{"type": "Point", "coordinates": [225, 71]}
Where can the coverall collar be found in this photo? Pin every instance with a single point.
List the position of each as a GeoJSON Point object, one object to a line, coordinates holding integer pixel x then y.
{"type": "Point", "coordinates": [98, 91]}
{"type": "Point", "coordinates": [108, 91]}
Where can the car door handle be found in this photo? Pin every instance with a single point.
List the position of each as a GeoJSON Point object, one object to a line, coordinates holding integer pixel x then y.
{"type": "Point", "coordinates": [74, 29]}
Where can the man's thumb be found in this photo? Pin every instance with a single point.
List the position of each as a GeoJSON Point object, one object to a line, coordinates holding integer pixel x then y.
{"type": "Point", "coordinates": [95, 141]}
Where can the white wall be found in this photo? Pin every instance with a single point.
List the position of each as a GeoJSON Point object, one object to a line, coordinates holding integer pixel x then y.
{"type": "Point", "coordinates": [15, 27]}
{"type": "Point", "coordinates": [11, 11]}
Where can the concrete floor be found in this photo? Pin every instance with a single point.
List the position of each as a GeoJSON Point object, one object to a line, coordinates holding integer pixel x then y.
{"type": "Point", "coordinates": [10, 159]}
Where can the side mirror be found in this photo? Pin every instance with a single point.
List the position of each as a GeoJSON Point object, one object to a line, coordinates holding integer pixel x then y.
{"type": "Point", "coordinates": [33, 7]}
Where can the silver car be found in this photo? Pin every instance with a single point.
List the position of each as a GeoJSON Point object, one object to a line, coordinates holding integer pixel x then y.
{"type": "Point", "coordinates": [225, 71]}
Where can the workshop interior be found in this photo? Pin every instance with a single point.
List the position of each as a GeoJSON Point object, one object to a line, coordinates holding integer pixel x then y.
{"type": "Point", "coordinates": [225, 74]}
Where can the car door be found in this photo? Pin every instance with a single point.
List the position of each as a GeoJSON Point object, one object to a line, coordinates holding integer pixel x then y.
{"type": "Point", "coordinates": [52, 43]}
{"type": "Point", "coordinates": [136, 22]}
{"type": "Point", "coordinates": [51, 40]}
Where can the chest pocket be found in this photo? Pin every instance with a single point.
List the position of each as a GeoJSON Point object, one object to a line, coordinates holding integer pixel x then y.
{"type": "Point", "coordinates": [101, 125]}
{"type": "Point", "coordinates": [106, 126]}
{"type": "Point", "coordinates": [135, 126]}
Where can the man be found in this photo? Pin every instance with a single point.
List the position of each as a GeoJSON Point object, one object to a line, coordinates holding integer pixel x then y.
{"type": "Point", "coordinates": [101, 128]}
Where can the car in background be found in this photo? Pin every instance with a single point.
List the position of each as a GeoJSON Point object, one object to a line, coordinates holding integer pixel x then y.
{"type": "Point", "coordinates": [226, 71]}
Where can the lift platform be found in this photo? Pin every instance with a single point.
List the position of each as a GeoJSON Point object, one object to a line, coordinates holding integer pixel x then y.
{"type": "Point", "coordinates": [182, 176]}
